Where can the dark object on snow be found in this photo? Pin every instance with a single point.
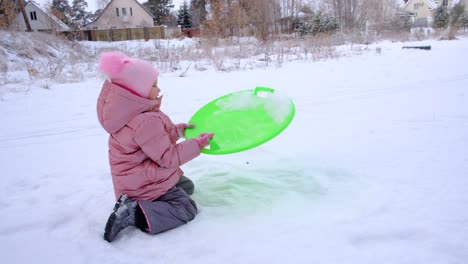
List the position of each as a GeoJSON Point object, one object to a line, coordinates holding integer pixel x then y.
{"type": "Point", "coordinates": [417, 47]}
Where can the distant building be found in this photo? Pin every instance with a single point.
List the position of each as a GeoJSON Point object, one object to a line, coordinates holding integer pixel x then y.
{"type": "Point", "coordinates": [122, 14]}
{"type": "Point", "coordinates": [423, 10]}
{"type": "Point", "coordinates": [465, 2]}
{"type": "Point", "coordinates": [38, 19]}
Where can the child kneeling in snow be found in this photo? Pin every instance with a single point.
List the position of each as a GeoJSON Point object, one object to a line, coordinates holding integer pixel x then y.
{"type": "Point", "coordinates": [145, 158]}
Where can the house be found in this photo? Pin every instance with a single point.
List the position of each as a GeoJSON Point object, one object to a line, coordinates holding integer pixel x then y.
{"type": "Point", "coordinates": [38, 19]}
{"type": "Point", "coordinates": [423, 10]}
{"type": "Point", "coordinates": [122, 14]}
{"type": "Point", "coordinates": [465, 2]}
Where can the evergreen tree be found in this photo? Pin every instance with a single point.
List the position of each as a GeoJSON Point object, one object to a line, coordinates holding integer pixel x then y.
{"type": "Point", "coordinates": [318, 23]}
{"type": "Point", "coordinates": [456, 19]}
{"type": "Point", "coordinates": [328, 24]}
{"type": "Point", "coordinates": [160, 9]}
{"type": "Point", "coordinates": [441, 17]}
{"type": "Point", "coordinates": [79, 15]}
{"type": "Point", "coordinates": [464, 21]}
{"type": "Point", "coordinates": [93, 16]}
{"type": "Point", "coordinates": [456, 14]}
{"type": "Point", "coordinates": [198, 11]}
{"type": "Point", "coordinates": [61, 9]}
{"type": "Point", "coordinates": [171, 20]}
{"type": "Point", "coordinates": [184, 19]}
{"type": "Point", "coordinates": [398, 24]}
{"type": "Point", "coordinates": [303, 27]}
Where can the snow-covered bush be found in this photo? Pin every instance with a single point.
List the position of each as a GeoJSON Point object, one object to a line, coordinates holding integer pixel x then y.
{"type": "Point", "coordinates": [317, 24]}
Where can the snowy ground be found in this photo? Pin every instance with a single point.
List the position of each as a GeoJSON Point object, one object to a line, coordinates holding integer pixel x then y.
{"type": "Point", "coordinates": [373, 169]}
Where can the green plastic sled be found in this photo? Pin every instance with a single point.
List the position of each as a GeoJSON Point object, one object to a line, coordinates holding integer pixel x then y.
{"type": "Point", "coordinates": [242, 120]}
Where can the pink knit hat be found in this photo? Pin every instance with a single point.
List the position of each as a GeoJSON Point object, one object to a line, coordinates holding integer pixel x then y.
{"type": "Point", "coordinates": [132, 73]}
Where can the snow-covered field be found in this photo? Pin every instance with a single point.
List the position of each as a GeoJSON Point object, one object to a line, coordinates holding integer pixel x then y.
{"type": "Point", "coordinates": [373, 169]}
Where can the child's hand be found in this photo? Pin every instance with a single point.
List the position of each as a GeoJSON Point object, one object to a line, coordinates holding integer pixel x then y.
{"type": "Point", "coordinates": [181, 129]}
{"type": "Point", "coordinates": [203, 139]}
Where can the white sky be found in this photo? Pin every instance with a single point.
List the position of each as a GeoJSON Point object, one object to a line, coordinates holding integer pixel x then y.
{"type": "Point", "coordinates": [92, 3]}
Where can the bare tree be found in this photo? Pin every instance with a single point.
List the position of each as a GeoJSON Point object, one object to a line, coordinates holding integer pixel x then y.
{"type": "Point", "coordinates": [235, 17]}
{"type": "Point", "coordinates": [356, 14]}
{"type": "Point", "coordinates": [291, 8]}
{"type": "Point", "coordinates": [199, 12]}
{"type": "Point", "coordinates": [262, 16]}
{"type": "Point", "coordinates": [7, 13]}
{"type": "Point", "coordinates": [241, 17]}
{"type": "Point", "coordinates": [382, 15]}
{"type": "Point", "coordinates": [214, 25]}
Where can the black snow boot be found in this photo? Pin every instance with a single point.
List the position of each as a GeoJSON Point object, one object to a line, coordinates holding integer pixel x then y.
{"type": "Point", "coordinates": [122, 217]}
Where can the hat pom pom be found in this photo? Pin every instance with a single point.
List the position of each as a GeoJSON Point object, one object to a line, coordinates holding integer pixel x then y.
{"type": "Point", "coordinates": [112, 63]}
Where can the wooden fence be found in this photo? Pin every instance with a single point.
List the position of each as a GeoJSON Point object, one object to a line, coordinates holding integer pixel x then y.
{"type": "Point", "coordinates": [122, 34]}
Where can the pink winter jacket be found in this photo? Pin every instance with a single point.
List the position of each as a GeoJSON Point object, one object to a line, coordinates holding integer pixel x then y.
{"type": "Point", "coordinates": [144, 157]}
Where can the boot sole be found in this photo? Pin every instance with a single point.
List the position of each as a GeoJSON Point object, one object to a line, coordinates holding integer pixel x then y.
{"type": "Point", "coordinates": [108, 229]}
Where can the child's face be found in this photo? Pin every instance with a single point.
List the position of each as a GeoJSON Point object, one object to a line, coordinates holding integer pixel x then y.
{"type": "Point", "coordinates": [154, 91]}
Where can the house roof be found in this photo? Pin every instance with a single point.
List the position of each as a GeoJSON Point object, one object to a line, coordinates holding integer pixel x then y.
{"type": "Point", "coordinates": [404, 13]}
{"type": "Point", "coordinates": [105, 8]}
{"type": "Point", "coordinates": [430, 3]}
{"type": "Point", "coordinates": [54, 18]}
{"type": "Point", "coordinates": [401, 3]}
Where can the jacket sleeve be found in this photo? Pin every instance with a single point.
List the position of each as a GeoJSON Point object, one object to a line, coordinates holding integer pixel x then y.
{"type": "Point", "coordinates": [155, 142]}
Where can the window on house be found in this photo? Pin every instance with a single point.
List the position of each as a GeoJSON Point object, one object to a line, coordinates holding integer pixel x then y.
{"type": "Point", "coordinates": [445, 3]}
{"type": "Point", "coordinates": [117, 11]}
{"type": "Point", "coordinates": [131, 11]}
{"type": "Point", "coordinates": [33, 15]}
{"type": "Point", "coordinates": [418, 5]}
{"type": "Point", "coordinates": [124, 11]}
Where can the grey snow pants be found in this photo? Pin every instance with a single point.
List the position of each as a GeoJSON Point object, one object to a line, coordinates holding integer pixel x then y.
{"type": "Point", "coordinates": [169, 211]}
